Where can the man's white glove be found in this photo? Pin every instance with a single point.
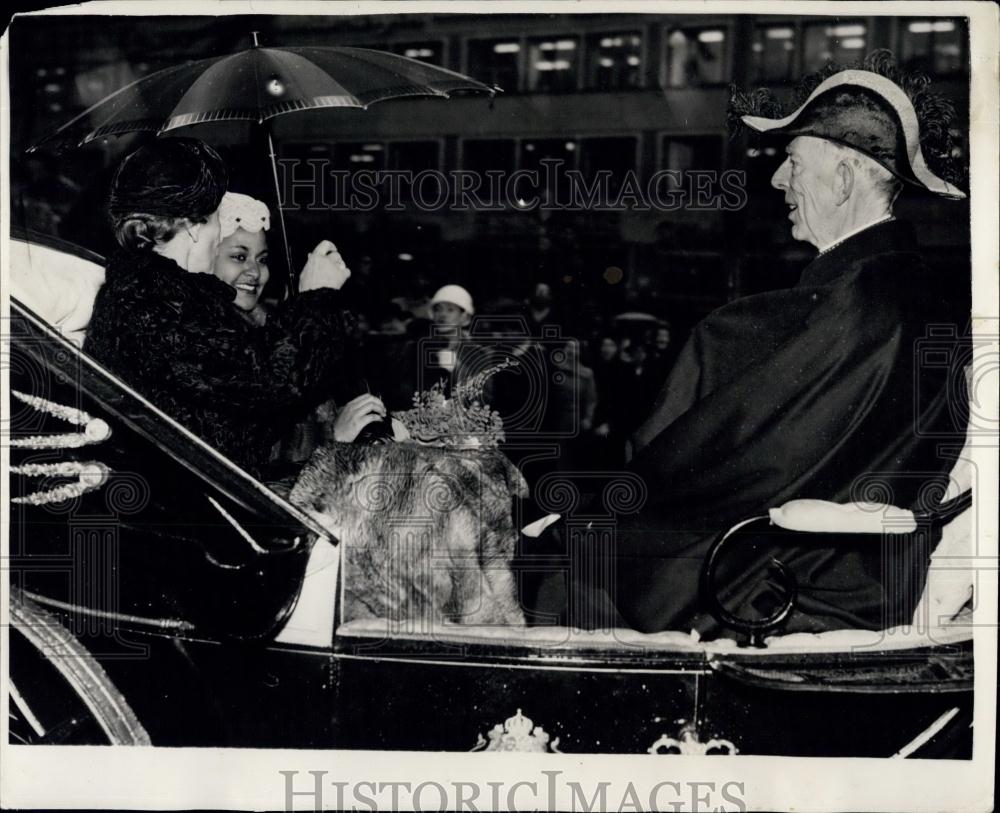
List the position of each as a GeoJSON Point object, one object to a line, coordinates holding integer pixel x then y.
{"type": "Point", "coordinates": [820, 516]}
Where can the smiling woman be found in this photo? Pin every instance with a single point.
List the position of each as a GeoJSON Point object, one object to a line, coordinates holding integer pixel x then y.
{"type": "Point", "coordinates": [168, 326]}
{"type": "Point", "coordinates": [242, 258]}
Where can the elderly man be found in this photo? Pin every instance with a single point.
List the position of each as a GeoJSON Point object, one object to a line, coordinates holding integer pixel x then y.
{"type": "Point", "coordinates": [809, 392]}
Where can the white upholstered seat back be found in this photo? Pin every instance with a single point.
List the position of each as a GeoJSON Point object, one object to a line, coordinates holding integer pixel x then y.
{"type": "Point", "coordinates": [57, 286]}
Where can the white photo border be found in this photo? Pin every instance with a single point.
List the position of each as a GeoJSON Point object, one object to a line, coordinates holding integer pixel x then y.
{"type": "Point", "coordinates": [179, 778]}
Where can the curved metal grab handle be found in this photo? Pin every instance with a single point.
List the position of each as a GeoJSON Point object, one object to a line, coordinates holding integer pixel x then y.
{"type": "Point", "coordinates": [756, 630]}
{"type": "Point", "coordinates": [946, 511]}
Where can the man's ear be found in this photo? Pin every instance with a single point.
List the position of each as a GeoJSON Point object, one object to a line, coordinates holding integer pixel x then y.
{"type": "Point", "coordinates": [193, 229]}
{"type": "Point", "coordinates": [844, 183]}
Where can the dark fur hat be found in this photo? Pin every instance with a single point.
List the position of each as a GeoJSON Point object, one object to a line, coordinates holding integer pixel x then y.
{"type": "Point", "coordinates": [169, 177]}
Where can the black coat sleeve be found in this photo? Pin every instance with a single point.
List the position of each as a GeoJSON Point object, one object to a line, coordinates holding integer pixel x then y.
{"type": "Point", "coordinates": [318, 329]}
{"type": "Point", "coordinates": [208, 354]}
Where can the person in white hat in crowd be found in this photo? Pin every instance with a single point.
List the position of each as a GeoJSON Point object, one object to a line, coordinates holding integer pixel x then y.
{"type": "Point", "coordinates": [451, 313]}
{"type": "Point", "coordinates": [816, 390]}
{"type": "Point", "coordinates": [446, 355]}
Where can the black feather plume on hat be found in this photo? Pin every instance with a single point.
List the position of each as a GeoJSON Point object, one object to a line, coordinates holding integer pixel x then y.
{"type": "Point", "coordinates": [935, 114]}
{"type": "Point", "coordinates": [756, 102]}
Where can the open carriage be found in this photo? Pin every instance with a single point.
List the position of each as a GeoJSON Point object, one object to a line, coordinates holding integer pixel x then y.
{"type": "Point", "coordinates": [168, 598]}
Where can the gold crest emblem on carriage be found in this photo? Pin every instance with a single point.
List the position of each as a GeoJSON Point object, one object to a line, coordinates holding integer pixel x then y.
{"type": "Point", "coordinates": [518, 733]}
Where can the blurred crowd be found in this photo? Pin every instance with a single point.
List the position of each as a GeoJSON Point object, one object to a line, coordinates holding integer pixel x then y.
{"type": "Point", "coordinates": [586, 376]}
{"type": "Point", "coordinates": [577, 396]}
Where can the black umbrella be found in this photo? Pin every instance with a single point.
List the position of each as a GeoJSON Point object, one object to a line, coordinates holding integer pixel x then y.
{"type": "Point", "coordinates": [256, 85]}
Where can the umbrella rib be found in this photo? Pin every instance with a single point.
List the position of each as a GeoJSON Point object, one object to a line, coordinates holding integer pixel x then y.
{"type": "Point", "coordinates": [406, 85]}
{"type": "Point", "coordinates": [393, 72]}
{"type": "Point", "coordinates": [454, 76]}
{"type": "Point", "coordinates": [256, 82]}
{"type": "Point", "coordinates": [81, 117]}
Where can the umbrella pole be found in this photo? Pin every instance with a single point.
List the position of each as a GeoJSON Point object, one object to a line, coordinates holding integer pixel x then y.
{"type": "Point", "coordinates": [292, 283]}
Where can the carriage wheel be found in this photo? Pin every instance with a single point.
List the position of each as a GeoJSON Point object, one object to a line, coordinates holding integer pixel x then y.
{"type": "Point", "coordinates": [59, 693]}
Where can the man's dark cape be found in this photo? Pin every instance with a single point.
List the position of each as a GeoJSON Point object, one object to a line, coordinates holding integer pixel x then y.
{"type": "Point", "coordinates": [818, 391]}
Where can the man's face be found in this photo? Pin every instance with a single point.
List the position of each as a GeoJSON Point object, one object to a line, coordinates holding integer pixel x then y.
{"type": "Point", "coordinates": [542, 297]}
{"type": "Point", "coordinates": [807, 178]}
{"type": "Point", "coordinates": [447, 315]}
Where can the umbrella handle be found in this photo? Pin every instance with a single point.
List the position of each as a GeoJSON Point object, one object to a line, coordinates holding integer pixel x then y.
{"type": "Point", "coordinates": [292, 287]}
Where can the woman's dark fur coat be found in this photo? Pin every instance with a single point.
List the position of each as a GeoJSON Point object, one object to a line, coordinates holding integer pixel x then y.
{"type": "Point", "coordinates": [178, 339]}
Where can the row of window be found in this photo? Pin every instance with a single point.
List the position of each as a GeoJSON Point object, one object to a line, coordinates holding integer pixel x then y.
{"type": "Point", "coordinates": [618, 155]}
{"type": "Point", "coordinates": [782, 51]}
{"type": "Point", "coordinates": [692, 56]}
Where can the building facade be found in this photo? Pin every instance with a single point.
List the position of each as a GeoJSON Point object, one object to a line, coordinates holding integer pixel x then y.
{"type": "Point", "coordinates": [632, 96]}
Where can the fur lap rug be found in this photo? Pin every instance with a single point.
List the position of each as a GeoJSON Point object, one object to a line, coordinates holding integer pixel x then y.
{"type": "Point", "coordinates": [427, 533]}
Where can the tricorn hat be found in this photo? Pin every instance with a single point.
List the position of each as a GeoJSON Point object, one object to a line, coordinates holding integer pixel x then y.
{"type": "Point", "coordinates": [870, 112]}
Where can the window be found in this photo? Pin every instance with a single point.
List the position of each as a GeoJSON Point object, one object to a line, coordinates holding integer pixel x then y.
{"type": "Point", "coordinates": [932, 46]}
{"type": "Point", "coordinates": [761, 164]}
{"type": "Point", "coordinates": [613, 60]}
{"type": "Point", "coordinates": [432, 52]}
{"type": "Point", "coordinates": [484, 154]}
{"type": "Point", "coordinates": [56, 95]}
{"type": "Point", "coordinates": [691, 152]}
{"type": "Point", "coordinates": [495, 62]}
{"type": "Point", "coordinates": [552, 64]}
{"type": "Point", "coordinates": [357, 156]}
{"type": "Point", "coordinates": [414, 156]}
{"type": "Point", "coordinates": [773, 52]}
{"type": "Point", "coordinates": [302, 151]}
{"type": "Point", "coordinates": [694, 154]}
{"type": "Point", "coordinates": [303, 172]}
{"type": "Point", "coordinates": [534, 151]}
{"type": "Point", "coordinates": [615, 155]}
{"type": "Point", "coordinates": [89, 86]}
{"type": "Point", "coordinates": [842, 42]}
{"type": "Point", "coordinates": [695, 57]}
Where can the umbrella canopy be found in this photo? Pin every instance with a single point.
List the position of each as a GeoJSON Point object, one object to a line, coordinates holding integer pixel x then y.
{"type": "Point", "coordinates": [256, 85]}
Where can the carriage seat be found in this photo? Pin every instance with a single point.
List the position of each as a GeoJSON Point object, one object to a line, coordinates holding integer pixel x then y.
{"type": "Point", "coordinates": [949, 590]}
{"type": "Point", "coordinates": [58, 287]}
{"type": "Point", "coordinates": [942, 615]}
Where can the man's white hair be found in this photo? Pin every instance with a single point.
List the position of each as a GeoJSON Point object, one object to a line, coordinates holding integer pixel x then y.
{"type": "Point", "coordinates": [880, 180]}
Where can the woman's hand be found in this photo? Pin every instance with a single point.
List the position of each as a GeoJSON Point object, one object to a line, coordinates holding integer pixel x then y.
{"type": "Point", "coordinates": [325, 268]}
{"type": "Point", "coordinates": [355, 416]}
